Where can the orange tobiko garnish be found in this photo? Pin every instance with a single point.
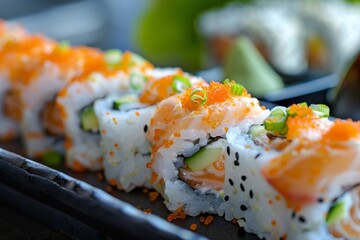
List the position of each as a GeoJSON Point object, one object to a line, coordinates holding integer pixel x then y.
{"type": "Point", "coordinates": [207, 95]}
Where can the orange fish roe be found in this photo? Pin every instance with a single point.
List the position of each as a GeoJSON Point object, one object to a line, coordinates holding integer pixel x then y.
{"type": "Point", "coordinates": [305, 119]}
{"type": "Point", "coordinates": [78, 167]}
{"type": "Point", "coordinates": [273, 222]}
{"type": "Point", "coordinates": [148, 211]}
{"type": "Point", "coordinates": [193, 227]}
{"type": "Point", "coordinates": [177, 214]}
{"type": "Point", "coordinates": [300, 110]}
{"type": "Point", "coordinates": [284, 237]}
{"type": "Point", "coordinates": [168, 143]}
{"type": "Point", "coordinates": [158, 134]}
{"type": "Point", "coordinates": [100, 176]}
{"type": "Point", "coordinates": [208, 220]}
{"type": "Point", "coordinates": [145, 190]}
{"type": "Point", "coordinates": [234, 221]}
{"type": "Point", "coordinates": [112, 182]}
{"type": "Point", "coordinates": [215, 93]}
{"type": "Point", "coordinates": [153, 196]}
{"type": "Point", "coordinates": [202, 219]}
{"type": "Point", "coordinates": [111, 153]}
{"type": "Point", "coordinates": [277, 197]}
{"type": "Point", "coordinates": [148, 165]}
{"type": "Point", "coordinates": [109, 188]}
{"type": "Point", "coordinates": [177, 134]}
{"type": "Point", "coordinates": [154, 177]}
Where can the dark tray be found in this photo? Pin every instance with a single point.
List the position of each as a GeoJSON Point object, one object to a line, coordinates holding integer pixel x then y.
{"type": "Point", "coordinates": [78, 205]}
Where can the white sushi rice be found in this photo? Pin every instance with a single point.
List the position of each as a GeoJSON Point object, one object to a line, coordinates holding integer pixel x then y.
{"type": "Point", "coordinates": [257, 206]}
{"type": "Point", "coordinates": [123, 140]}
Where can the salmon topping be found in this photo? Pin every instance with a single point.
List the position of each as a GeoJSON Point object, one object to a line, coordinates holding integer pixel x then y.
{"type": "Point", "coordinates": [306, 169]}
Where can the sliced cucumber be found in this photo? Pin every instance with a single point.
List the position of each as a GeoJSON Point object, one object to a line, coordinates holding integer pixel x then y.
{"type": "Point", "coordinates": [52, 159]}
{"type": "Point", "coordinates": [336, 213]}
{"type": "Point", "coordinates": [321, 110]}
{"type": "Point", "coordinates": [203, 158]}
{"type": "Point", "coordinates": [123, 100]}
{"type": "Point", "coordinates": [88, 120]}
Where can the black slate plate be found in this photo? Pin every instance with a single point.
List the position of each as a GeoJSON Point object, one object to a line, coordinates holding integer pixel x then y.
{"type": "Point", "coordinates": [78, 205]}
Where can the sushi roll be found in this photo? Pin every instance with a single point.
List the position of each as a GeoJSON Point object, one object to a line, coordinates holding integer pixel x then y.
{"type": "Point", "coordinates": [115, 73]}
{"type": "Point", "coordinates": [294, 177]}
{"type": "Point", "coordinates": [9, 35]}
{"type": "Point", "coordinates": [187, 133]}
{"type": "Point", "coordinates": [124, 120]}
{"type": "Point", "coordinates": [19, 58]}
{"type": "Point", "coordinates": [39, 125]}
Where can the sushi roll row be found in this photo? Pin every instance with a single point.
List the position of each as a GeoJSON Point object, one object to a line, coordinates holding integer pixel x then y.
{"type": "Point", "coordinates": [206, 147]}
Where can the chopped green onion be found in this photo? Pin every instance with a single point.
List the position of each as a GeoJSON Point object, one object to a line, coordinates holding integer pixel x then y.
{"type": "Point", "coordinates": [276, 122]}
{"type": "Point", "coordinates": [137, 81]}
{"type": "Point", "coordinates": [52, 159]}
{"type": "Point", "coordinates": [256, 130]}
{"type": "Point", "coordinates": [321, 110]}
{"type": "Point", "coordinates": [64, 45]}
{"type": "Point", "coordinates": [136, 59]}
{"type": "Point", "coordinates": [199, 96]}
{"type": "Point", "coordinates": [180, 83]}
{"type": "Point", "coordinates": [123, 100]}
{"type": "Point", "coordinates": [303, 104]}
{"type": "Point", "coordinates": [237, 89]}
{"type": "Point", "coordinates": [226, 81]}
{"type": "Point", "coordinates": [113, 57]}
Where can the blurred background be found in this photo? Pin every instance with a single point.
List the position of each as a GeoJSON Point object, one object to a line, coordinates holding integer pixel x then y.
{"type": "Point", "coordinates": [282, 51]}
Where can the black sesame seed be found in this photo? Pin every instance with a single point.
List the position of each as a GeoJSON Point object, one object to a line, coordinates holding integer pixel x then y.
{"type": "Point", "coordinates": [243, 177]}
{"type": "Point", "coordinates": [302, 219]}
{"type": "Point", "coordinates": [251, 194]}
{"type": "Point", "coordinates": [242, 187]}
{"type": "Point", "coordinates": [237, 156]}
{"type": "Point", "coordinates": [236, 163]}
{"type": "Point", "coordinates": [257, 155]}
{"type": "Point", "coordinates": [226, 198]}
{"type": "Point", "coordinates": [320, 200]}
{"type": "Point", "coordinates": [231, 182]}
{"type": "Point", "coordinates": [243, 208]}
{"type": "Point", "coordinates": [145, 128]}
{"type": "Point", "coordinates": [228, 150]}
{"type": "Point", "coordinates": [293, 214]}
